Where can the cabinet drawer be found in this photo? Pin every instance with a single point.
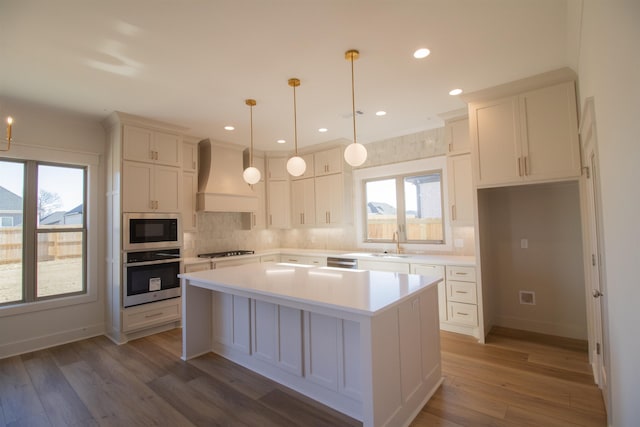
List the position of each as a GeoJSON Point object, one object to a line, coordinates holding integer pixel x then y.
{"type": "Point", "coordinates": [465, 314]}
{"type": "Point", "coordinates": [463, 274]}
{"type": "Point", "coordinates": [148, 315]}
{"type": "Point", "coordinates": [461, 291]}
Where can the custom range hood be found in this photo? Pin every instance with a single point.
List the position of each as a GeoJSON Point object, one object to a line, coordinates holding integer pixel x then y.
{"type": "Point", "coordinates": [220, 184]}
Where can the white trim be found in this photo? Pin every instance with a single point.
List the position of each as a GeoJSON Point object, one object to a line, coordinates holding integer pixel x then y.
{"type": "Point", "coordinates": [420, 165]}
{"type": "Point", "coordinates": [50, 340]}
{"type": "Point", "coordinates": [93, 282]}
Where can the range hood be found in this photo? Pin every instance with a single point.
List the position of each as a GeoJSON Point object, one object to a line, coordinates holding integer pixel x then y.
{"type": "Point", "coordinates": [220, 184]}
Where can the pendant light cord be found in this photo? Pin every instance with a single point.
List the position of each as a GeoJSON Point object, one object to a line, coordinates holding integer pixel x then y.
{"type": "Point", "coordinates": [251, 122]}
{"type": "Point", "coordinates": [295, 121]}
{"type": "Point", "coordinates": [353, 101]}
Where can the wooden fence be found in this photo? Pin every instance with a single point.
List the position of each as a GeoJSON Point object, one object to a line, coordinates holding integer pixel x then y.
{"type": "Point", "coordinates": [51, 246]}
{"type": "Point", "coordinates": [417, 228]}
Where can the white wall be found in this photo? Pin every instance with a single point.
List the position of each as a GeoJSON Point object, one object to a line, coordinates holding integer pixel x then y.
{"type": "Point", "coordinates": [609, 68]}
{"type": "Point", "coordinates": [49, 128]}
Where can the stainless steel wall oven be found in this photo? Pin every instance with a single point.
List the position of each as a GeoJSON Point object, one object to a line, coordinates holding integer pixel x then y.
{"type": "Point", "coordinates": [151, 276]}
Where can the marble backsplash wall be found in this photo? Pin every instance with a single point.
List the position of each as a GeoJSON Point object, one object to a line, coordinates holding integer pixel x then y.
{"type": "Point", "coordinates": [224, 231]}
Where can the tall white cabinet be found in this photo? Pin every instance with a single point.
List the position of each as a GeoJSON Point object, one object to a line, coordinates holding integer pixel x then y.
{"type": "Point", "coordinates": [144, 174]}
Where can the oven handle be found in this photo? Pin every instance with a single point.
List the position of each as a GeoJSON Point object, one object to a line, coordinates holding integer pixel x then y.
{"type": "Point", "coordinates": [162, 261]}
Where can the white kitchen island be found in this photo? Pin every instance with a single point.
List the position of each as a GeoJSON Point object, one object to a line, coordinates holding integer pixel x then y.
{"type": "Point", "coordinates": [365, 343]}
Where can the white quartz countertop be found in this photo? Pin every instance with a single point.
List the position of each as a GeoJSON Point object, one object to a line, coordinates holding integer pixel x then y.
{"type": "Point", "coordinates": [389, 257]}
{"type": "Point", "coordinates": [355, 291]}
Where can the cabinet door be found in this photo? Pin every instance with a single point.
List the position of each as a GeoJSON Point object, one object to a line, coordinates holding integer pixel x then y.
{"type": "Point", "coordinates": [328, 161]}
{"type": "Point", "coordinates": [189, 189]}
{"type": "Point", "coordinates": [278, 204]}
{"type": "Point", "coordinates": [167, 188]}
{"type": "Point", "coordinates": [137, 185]}
{"type": "Point", "coordinates": [460, 189]}
{"type": "Point", "coordinates": [258, 219]}
{"type": "Point", "coordinates": [329, 199]}
{"type": "Point", "coordinates": [189, 157]}
{"type": "Point", "coordinates": [168, 149]}
{"type": "Point", "coordinates": [457, 136]}
{"type": "Point", "coordinates": [496, 138]}
{"type": "Point", "coordinates": [550, 133]}
{"type": "Point", "coordinates": [137, 144]}
{"type": "Point", "coordinates": [303, 202]}
{"type": "Point", "coordinates": [277, 168]}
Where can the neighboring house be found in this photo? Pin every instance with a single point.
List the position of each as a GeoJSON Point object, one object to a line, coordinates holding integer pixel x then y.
{"type": "Point", "coordinates": [381, 208]}
{"type": "Point", "coordinates": [74, 216]}
{"type": "Point", "coordinates": [11, 206]}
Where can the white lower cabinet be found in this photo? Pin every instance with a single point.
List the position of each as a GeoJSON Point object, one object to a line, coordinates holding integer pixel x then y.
{"type": "Point", "coordinates": [395, 267]}
{"type": "Point", "coordinates": [151, 314]}
{"type": "Point", "coordinates": [308, 260]}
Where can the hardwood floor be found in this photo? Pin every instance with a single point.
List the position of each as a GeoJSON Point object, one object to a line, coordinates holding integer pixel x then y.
{"type": "Point", "coordinates": [515, 379]}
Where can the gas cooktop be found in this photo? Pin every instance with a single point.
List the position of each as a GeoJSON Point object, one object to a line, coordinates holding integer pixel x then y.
{"type": "Point", "coordinates": [225, 254]}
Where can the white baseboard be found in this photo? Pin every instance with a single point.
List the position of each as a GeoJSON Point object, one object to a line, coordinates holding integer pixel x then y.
{"type": "Point", "coordinates": [51, 340]}
{"type": "Point", "coordinates": [548, 328]}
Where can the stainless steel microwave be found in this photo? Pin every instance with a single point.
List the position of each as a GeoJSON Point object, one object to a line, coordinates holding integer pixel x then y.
{"type": "Point", "coordinates": [143, 231]}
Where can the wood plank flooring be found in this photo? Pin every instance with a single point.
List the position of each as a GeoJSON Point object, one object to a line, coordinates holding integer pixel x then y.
{"type": "Point", "coordinates": [516, 379]}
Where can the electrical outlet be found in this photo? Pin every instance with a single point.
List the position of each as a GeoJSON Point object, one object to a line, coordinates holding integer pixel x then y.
{"type": "Point", "coordinates": [528, 297]}
{"type": "Point", "coordinates": [524, 243]}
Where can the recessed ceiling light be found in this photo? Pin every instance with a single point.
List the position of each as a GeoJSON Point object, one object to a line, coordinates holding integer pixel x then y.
{"type": "Point", "coordinates": [323, 130]}
{"type": "Point", "coordinates": [281, 141]}
{"type": "Point", "coordinates": [455, 92]}
{"type": "Point", "coordinates": [229, 128]}
{"type": "Point", "coordinates": [421, 53]}
{"type": "Point", "coordinates": [381, 113]}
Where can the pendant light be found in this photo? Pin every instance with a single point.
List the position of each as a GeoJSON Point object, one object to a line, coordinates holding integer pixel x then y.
{"type": "Point", "coordinates": [296, 164]}
{"type": "Point", "coordinates": [355, 154]}
{"type": "Point", "coordinates": [251, 175]}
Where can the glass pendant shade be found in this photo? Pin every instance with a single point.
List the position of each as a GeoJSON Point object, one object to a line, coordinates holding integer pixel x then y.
{"type": "Point", "coordinates": [251, 175]}
{"type": "Point", "coordinates": [355, 154]}
{"type": "Point", "coordinates": [296, 166]}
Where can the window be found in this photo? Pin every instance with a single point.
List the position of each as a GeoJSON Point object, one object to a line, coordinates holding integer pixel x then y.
{"type": "Point", "coordinates": [404, 207]}
{"type": "Point", "coordinates": [43, 252]}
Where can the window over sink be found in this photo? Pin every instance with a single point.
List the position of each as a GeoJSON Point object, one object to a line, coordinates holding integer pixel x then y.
{"type": "Point", "coordinates": [403, 202]}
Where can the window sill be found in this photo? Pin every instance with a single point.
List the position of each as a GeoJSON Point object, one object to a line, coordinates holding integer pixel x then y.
{"type": "Point", "coordinates": [51, 304]}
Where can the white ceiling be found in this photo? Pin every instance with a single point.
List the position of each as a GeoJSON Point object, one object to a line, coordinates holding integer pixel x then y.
{"type": "Point", "coordinates": [193, 63]}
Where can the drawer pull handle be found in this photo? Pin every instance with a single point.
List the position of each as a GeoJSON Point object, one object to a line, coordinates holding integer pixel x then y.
{"type": "Point", "coordinates": [462, 314]}
{"type": "Point", "coordinates": [462, 292]}
{"type": "Point", "coordinates": [461, 274]}
{"type": "Point", "coordinates": [153, 315]}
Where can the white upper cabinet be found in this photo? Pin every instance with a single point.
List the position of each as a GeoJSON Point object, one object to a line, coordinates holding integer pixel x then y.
{"type": "Point", "coordinates": [303, 202]}
{"type": "Point", "coordinates": [330, 200]}
{"type": "Point", "coordinates": [529, 137]}
{"type": "Point", "coordinates": [151, 188]}
{"type": "Point", "coordinates": [277, 169]}
{"type": "Point", "coordinates": [150, 146]}
{"type": "Point", "coordinates": [278, 204]}
{"type": "Point", "coordinates": [190, 156]}
{"type": "Point", "coordinates": [328, 161]}
{"type": "Point", "coordinates": [456, 134]}
{"type": "Point", "coordinates": [460, 189]}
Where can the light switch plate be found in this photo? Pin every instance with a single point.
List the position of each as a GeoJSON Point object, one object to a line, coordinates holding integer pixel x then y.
{"type": "Point", "coordinates": [524, 243]}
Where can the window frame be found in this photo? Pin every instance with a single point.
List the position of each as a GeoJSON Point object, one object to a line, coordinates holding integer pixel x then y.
{"type": "Point", "coordinates": [401, 209]}
{"type": "Point", "coordinates": [401, 169]}
{"type": "Point", "coordinates": [91, 163]}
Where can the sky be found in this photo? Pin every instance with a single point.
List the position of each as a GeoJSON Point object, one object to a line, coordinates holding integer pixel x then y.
{"type": "Point", "coordinates": [64, 181]}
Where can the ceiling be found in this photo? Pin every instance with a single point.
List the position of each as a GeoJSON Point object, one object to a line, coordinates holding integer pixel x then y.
{"type": "Point", "coordinates": [193, 63]}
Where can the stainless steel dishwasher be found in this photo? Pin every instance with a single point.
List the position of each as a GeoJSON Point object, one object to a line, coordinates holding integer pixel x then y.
{"type": "Point", "coordinates": [337, 262]}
